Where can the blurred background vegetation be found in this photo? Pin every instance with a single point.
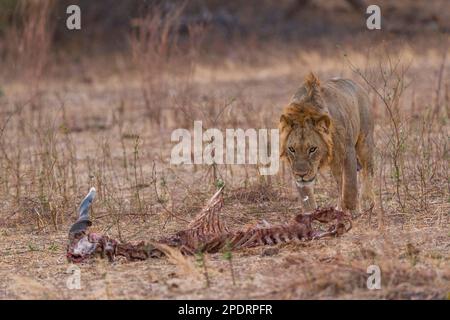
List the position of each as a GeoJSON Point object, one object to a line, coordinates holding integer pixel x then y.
{"type": "Point", "coordinates": [106, 24]}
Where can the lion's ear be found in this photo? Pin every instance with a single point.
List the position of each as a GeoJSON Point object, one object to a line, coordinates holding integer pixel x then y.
{"type": "Point", "coordinates": [323, 123]}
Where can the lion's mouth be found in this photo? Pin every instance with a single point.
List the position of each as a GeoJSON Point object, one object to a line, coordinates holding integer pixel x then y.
{"type": "Point", "coordinates": [305, 183]}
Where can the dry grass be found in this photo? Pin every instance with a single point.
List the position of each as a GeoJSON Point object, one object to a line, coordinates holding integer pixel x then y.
{"type": "Point", "coordinates": [62, 137]}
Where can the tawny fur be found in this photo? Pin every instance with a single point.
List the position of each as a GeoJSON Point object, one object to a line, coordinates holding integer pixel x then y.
{"type": "Point", "coordinates": [336, 118]}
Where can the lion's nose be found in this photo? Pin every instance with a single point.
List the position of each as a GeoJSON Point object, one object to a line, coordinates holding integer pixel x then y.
{"type": "Point", "coordinates": [300, 174]}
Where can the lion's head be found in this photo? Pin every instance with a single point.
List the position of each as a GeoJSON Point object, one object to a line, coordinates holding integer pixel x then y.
{"type": "Point", "coordinates": [305, 133]}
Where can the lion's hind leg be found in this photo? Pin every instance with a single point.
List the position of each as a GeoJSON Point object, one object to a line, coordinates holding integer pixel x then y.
{"type": "Point", "coordinates": [365, 150]}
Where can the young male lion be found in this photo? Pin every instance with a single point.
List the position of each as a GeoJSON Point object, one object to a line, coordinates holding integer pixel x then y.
{"type": "Point", "coordinates": [329, 125]}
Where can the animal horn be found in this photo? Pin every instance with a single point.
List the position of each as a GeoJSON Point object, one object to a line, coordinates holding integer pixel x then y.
{"type": "Point", "coordinates": [83, 221]}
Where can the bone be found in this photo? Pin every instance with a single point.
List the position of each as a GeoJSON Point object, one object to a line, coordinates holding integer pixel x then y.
{"type": "Point", "coordinates": [206, 233]}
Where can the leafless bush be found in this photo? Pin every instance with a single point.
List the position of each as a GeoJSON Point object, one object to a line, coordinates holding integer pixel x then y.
{"type": "Point", "coordinates": [38, 166]}
{"type": "Point", "coordinates": [387, 81]}
{"type": "Point", "coordinates": [28, 41]}
{"type": "Point", "coordinates": [415, 159]}
{"type": "Point", "coordinates": [165, 62]}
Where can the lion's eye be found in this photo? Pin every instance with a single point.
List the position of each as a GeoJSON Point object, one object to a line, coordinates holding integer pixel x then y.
{"type": "Point", "coordinates": [292, 150]}
{"type": "Point", "coordinates": [312, 150]}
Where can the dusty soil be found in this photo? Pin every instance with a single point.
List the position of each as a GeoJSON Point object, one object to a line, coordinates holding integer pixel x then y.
{"type": "Point", "coordinates": [87, 135]}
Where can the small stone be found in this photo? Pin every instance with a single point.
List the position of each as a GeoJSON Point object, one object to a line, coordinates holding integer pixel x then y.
{"type": "Point", "coordinates": [271, 251]}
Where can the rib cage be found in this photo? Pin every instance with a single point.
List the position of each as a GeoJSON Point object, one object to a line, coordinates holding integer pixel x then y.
{"type": "Point", "coordinates": [207, 233]}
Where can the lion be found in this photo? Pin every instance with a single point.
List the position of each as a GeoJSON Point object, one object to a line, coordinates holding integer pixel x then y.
{"type": "Point", "coordinates": [330, 125]}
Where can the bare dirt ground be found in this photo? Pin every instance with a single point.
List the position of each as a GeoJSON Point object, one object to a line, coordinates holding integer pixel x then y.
{"type": "Point", "coordinates": [61, 136]}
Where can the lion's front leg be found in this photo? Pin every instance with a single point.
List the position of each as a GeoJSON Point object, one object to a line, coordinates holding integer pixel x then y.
{"type": "Point", "coordinates": [350, 182]}
{"type": "Point", "coordinates": [307, 198]}
{"type": "Point", "coordinates": [336, 170]}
